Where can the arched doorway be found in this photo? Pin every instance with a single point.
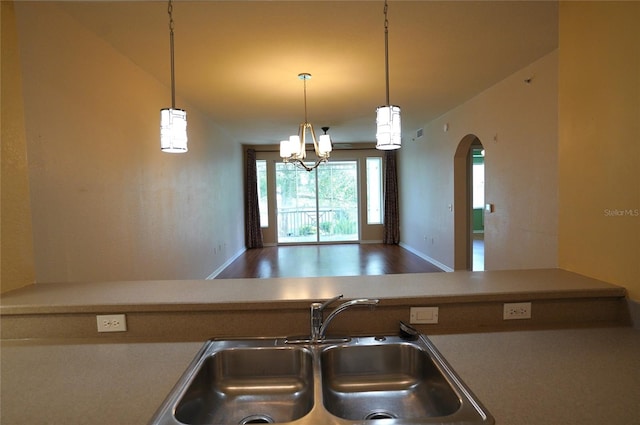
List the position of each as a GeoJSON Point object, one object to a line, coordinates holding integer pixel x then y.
{"type": "Point", "coordinates": [467, 219]}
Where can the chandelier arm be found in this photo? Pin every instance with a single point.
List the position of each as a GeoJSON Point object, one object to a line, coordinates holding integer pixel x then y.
{"type": "Point", "coordinates": [318, 162]}
{"type": "Point", "coordinates": [300, 164]}
{"type": "Point", "coordinates": [315, 140]}
{"type": "Point", "coordinates": [302, 135]}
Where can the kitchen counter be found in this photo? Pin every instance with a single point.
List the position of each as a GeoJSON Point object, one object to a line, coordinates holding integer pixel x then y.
{"type": "Point", "coordinates": [568, 376]}
{"type": "Point", "coordinates": [251, 294]}
{"type": "Point", "coordinates": [197, 310]}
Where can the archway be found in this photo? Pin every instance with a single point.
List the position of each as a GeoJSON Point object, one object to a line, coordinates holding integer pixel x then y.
{"type": "Point", "coordinates": [462, 201]}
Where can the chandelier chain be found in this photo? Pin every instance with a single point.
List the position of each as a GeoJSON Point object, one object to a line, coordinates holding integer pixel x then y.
{"type": "Point", "coordinates": [386, 20]}
{"type": "Point", "coordinates": [170, 12]}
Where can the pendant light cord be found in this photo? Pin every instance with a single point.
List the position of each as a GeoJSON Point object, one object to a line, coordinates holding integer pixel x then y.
{"type": "Point", "coordinates": [305, 100]}
{"type": "Point", "coordinates": [173, 83]}
{"type": "Point", "coordinates": [304, 77]}
{"type": "Point", "coordinates": [386, 48]}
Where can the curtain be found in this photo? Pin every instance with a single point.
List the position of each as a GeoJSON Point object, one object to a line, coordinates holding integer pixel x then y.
{"type": "Point", "coordinates": [391, 211]}
{"type": "Point", "coordinates": [253, 231]}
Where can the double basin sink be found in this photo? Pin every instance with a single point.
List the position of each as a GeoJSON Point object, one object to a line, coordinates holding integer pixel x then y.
{"type": "Point", "coordinates": [361, 380]}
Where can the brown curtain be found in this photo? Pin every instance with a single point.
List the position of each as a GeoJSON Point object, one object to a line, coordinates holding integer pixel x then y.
{"type": "Point", "coordinates": [391, 211]}
{"type": "Point", "coordinates": [253, 231]}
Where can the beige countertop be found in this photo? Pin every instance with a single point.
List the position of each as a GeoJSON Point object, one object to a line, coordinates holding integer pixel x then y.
{"type": "Point", "coordinates": [578, 376]}
{"type": "Point", "coordinates": [197, 310]}
{"type": "Point", "coordinates": [247, 294]}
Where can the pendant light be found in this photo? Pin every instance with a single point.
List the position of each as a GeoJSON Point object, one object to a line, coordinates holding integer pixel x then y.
{"type": "Point", "coordinates": [173, 122]}
{"type": "Point", "coordinates": [389, 129]}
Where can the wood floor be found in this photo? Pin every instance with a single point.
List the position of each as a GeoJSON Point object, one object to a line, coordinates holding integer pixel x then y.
{"type": "Point", "coordinates": [326, 260]}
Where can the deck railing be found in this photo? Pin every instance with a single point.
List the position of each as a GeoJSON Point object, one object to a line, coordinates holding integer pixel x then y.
{"type": "Point", "coordinates": [305, 222]}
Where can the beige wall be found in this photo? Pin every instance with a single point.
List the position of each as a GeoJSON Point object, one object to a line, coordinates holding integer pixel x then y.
{"type": "Point", "coordinates": [517, 124]}
{"type": "Point", "coordinates": [106, 203]}
{"type": "Point", "coordinates": [599, 109]}
{"type": "Point", "coordinates": [17, 236]}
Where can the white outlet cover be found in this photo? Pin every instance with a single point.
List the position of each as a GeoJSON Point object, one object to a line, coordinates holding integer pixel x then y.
{"type": "Point", "coordinates": [423, 315]}
{"type": "Point", "coordinates": [514, 311]}
{"type": "Point", "coordinates": [111, 322]}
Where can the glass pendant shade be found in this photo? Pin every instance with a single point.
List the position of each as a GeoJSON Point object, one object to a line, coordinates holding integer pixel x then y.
{"type": "Point", "coordinates": [388, 133]}
{"type": "Point", "coordinates": [285, 149]}
{"type": "Point", "coordinates": [297, 148]}
{"type": "Point", "coordinates": [324, 145]}
{"type": "Point", "coordinates": [173, 130]}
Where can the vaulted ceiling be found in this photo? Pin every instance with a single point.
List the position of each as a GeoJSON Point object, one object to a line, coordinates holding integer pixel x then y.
{"type": "Point", "coordinates": [237, 61]}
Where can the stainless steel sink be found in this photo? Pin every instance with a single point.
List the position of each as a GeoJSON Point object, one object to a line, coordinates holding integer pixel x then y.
{"type": "Point", "coordinates": [391, 380]}
{"type": "Point", "coordinates": [382, 379]}
{"type": "Point", "coordinates": [245, 382]}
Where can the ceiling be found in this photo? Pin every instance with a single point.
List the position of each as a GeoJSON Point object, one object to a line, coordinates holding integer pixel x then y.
{"type": "Point", "coordinates": [237, 61]}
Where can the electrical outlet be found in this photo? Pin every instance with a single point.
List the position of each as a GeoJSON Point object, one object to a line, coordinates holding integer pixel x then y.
{"type": "Point", "coordinates": [112, 323]}
{"type": "Point", "coordinates": [423, 315]}
{"type": "Point", "coordinates": [516, 311]}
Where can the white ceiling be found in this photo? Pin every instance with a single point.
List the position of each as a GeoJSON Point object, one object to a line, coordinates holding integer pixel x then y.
{"type": "Point", "coordinates": [238, 60]}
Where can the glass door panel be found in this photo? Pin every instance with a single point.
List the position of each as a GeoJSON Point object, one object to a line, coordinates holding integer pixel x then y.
{"type": "Point", "coordinates": [317, 206]}
{"type": "Point", "coordinates": [296, 204]}
{"type": "Point", "coordinates": [338, 201]}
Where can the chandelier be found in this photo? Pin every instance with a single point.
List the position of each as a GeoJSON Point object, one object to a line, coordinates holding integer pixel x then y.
{"type": "Point", "coordinates": [294, 149]}
{"type": "Point", "coordinates": [389, 130]}
{"type": "Point", "coordinates": [173, 122]}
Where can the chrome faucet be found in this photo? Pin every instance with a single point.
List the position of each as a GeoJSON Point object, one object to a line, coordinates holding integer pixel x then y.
{"type": "Point", "coordinates": [319, 327]}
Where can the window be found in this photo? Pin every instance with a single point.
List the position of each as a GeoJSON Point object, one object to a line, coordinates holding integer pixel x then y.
{"type": "Point", "coordinates": [263, 200]}
{"type": "Point", "coordinates": [478, 178]}
{"type": "Point", "coordinates": [374, 190]}
{"type": "Point", "coordinates": [342, 200]}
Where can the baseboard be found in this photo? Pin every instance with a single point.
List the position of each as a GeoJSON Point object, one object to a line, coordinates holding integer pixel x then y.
{"type": "Point", "coordinates": [634, 312]}
{"type": "Point", "coordinates": [226, 264]}
{"type": "Point", "coordinates": [427, 258]}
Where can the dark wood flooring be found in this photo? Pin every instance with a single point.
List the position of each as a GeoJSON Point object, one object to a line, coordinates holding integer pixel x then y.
{"type": "Point", "coordinates": [326, 260]}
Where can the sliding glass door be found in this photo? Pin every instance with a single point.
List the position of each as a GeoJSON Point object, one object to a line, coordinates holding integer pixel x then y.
{"type": "Point", "coordinates": [317, 206]}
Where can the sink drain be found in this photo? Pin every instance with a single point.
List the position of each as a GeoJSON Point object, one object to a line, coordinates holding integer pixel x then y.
{"type": "Point", "coordinates": [380, 414]}
{"type": "Point", "coordinates": [257, 419]}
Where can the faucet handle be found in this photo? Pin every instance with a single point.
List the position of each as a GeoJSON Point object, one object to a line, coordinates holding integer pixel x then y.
{"type": "Point", "coordinates": [330, 301]}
